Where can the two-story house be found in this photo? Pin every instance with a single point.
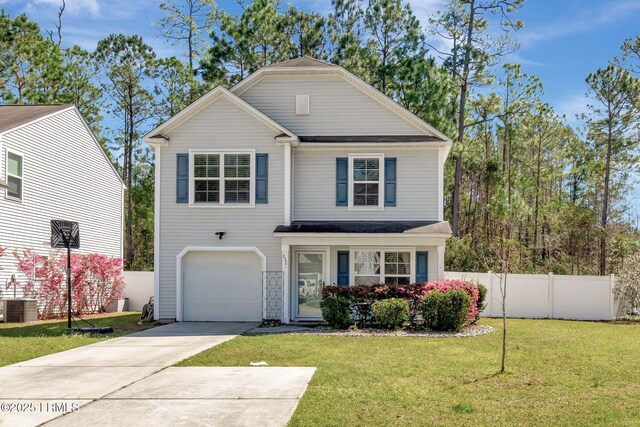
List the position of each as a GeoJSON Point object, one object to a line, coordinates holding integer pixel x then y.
{"type": "Point", "coordinates": [299, 176]}
{"type": "Point", "coordinates": [54, 168]}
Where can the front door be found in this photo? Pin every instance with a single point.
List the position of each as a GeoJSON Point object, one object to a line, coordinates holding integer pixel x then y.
{"type": "Point", "coordinates": [310, 267]}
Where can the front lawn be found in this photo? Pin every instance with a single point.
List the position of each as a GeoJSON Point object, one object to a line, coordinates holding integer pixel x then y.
{"type": "Point", "coordinates": [559, 373]}
{"type": "Point", "coordinates": [24, 341]}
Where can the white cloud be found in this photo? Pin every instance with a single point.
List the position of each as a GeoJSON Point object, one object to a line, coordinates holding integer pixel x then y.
{"type": "Point", "coordinates": [424, 9]}
{"type": "Point", "coordinates": [582, 22]}
{"type": "Point", "coordinates": [74, 7]}
{"type": "Point", "coordinates": [571, 106]}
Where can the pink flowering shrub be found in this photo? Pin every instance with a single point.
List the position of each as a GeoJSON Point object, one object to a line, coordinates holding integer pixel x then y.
{"type": "Point", "coordinates": [96, 281]}
{"type": "Point", "coordinates": [453, 285]}
{"type": "Point", "coordinates": [415, 293]}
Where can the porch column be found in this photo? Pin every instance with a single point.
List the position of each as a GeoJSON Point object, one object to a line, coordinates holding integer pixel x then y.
{"type": "Point", "coordinates": [285, 283]}
{"type": "Point", "coordinates": [441, 262]}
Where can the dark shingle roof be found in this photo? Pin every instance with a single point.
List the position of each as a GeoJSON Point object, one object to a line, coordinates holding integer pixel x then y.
{"type": "Point", "coordinates": [303, 61]}
{"type": "Point", "coordinates": [369, 138]}
{"type": "Point", "coordinates": [364, 227]}
{"type": "Point", "coordinates": [12, 116]}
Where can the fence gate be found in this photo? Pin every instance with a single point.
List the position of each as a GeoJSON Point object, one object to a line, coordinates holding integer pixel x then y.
{"type": "Point", "coordinates": [272, 295]}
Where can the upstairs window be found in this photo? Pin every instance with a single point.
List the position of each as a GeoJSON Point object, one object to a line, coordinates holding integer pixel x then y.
{"type": "Point", "coordinates": [14, 176]}
{"type": "Point", "coordinates": [366, 185]}
{"type": "Point", "coordinates": [222, 178]}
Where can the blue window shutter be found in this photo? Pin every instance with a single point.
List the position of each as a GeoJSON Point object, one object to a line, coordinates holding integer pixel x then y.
{"type": "Point", "coordinates": [182, 178]}
{"type": "Point", "coordinates": [390, 181]}
{"type": "Point", "coordinates": [262, 178]}
{"type": "Point", "coordinates": [422, 267]}
{"type": "Point", "coordinates": [343, 268]}
{"type": "Point", "coordinates": [342, 181]}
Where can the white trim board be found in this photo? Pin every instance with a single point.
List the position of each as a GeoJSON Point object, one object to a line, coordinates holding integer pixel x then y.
{"type": "Point", "coordinates": [186, 250]}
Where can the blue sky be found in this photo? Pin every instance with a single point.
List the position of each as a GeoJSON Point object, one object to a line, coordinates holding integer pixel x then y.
{"type": "Point", "coordinates": [562, 41]}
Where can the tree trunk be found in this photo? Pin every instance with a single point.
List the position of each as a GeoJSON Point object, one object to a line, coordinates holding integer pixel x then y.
{"type": "Point", "coordinates": [605, 205]}
{"type": "Point", "coordinates": [455, 226]}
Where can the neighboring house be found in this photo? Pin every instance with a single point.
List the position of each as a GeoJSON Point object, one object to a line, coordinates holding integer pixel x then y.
{"type": "Point", "coordinates": [54, 168]}
{"type": "Point", "coordinates": [301, 175]}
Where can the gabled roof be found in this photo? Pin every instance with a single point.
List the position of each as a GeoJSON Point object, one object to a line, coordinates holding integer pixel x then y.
{"type": "Point", "coordinates": [368, 139]}
{"type": "Point", "coordinates": [366, 227]}
{"type": "Point", "coordinates": [303, 61]}
{"type": "Point", "coordinates": [14, 116]}
{"type": "Point", "coordinates": [157, 136]}
{"type": "Point", "coordinates": [306, 65]}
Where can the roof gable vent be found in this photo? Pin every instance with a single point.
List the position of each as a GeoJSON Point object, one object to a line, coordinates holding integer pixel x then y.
{"type": "Point", "coordinates": [302, 105]}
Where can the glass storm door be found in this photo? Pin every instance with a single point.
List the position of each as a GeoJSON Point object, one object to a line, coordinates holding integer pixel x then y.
{"type": "Point", "coordinates": [310, 271]}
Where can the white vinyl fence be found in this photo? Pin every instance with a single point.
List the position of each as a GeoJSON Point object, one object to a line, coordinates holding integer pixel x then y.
{"type": "Point", "coordinates": [139, 288]}
{"type": "Point", "coordinates": [528, 295]}
{"type": "Point", "coordinates": [548, 295]}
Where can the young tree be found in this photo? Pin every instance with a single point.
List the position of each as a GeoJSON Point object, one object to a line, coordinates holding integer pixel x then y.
{"type": "Point", "coordinates": [627, 288]}
{"type": "Point", "coordinates": [465, 25]}
{"type": "Point", "coordinates": [346, 27]}
{"type": "Point", "coordinates": [305, 33]}
{"type": "Point", "coordinates": [175, 86]}
{"type": "Point", "coordinates": [184, 25]}
{"type": "Point", "coordinates": [127, 67]}
{"type": "Point", "coordinates": [612, 127]}
{"type": "Point", "coordinates": [31, 69]}
{"type": "Point", "coordinates": [243, 43]}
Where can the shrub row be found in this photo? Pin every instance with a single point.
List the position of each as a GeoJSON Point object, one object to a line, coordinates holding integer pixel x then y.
{"type": "Point", "coordinates": [413, 293]}
{"type": "Point", "coordinates": [441, 311]}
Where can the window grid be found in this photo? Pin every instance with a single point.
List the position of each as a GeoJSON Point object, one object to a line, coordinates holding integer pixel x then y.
{"type": "Point", "coordinates": [366, 181]}
{"type": "Point", "coordinates": [14, 175]}
{"type": "Point", "coordinates": [222, 178]}
{"type": "Point", "coordinates": [373, 267]}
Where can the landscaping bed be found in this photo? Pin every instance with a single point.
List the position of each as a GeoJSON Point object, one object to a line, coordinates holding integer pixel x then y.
{"type": "Point", "coordinates": [470, 331]}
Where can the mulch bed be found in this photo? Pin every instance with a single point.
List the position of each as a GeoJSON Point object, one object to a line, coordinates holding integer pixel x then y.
{"type": "Point", "coordinates": [471, 331]}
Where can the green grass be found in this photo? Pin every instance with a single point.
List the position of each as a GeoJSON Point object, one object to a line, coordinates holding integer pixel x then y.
{"type": "Point", "coordinates": [24, 341]}
{"type": "Point", "coordinates": [559, 373]}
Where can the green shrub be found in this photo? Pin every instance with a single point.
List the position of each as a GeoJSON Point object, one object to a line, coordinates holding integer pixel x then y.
{"type": "Point", "coordinates": [445, 311]}
{"type": "Point", "coordinates": [336, 311]}
{"type": "Point", "coordinates": [392, 313]}
{"type": "Point", "coordinates": [481, 304]}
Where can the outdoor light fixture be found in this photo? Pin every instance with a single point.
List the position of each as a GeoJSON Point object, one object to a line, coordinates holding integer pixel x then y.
{"type": "Point", "coordinates": [220, 234]}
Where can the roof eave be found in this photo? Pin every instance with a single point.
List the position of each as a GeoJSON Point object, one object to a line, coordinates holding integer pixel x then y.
{"type": "Point", "coordinates": [372, 235]}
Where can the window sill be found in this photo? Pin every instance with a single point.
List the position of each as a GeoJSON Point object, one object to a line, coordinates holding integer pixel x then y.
{"type": "Point", "coordinates": [219, 206]}
{"type": "Point", "coordinates": [13, 199]}
{"type": "Point", "coordinates": [366, 208]}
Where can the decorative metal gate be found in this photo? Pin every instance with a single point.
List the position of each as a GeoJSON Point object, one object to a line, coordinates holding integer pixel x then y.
{"type": "Point", "coordinates": [273, 294]}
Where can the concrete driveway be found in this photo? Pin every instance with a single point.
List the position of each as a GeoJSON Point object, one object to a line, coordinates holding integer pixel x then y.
{"type": "Point", "coordinates": [123, 381]}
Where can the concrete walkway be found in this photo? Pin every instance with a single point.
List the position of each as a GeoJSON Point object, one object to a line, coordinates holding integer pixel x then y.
{"type": "Point", "coordinates": [123, 381]}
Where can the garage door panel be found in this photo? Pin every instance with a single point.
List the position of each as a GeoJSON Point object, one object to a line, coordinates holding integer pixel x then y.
{"type": "Point", "coordinates": [222, 286]}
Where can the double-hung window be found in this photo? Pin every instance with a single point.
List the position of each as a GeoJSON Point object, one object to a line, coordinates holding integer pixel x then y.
{"type": "Point", "coordinates": [14, 175]}
{"type": "Point", "coordinates": [371, 267]}
{"type": "Point", "coordinates": [222, 178]}
{"type": "Point", "coordinates": [366, 181]}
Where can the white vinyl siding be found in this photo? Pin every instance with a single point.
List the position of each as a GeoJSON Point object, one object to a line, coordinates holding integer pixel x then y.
{"type": "Point", "coordinates": [65, 176]}
{"type": "Point", "coordinates": [220, 126]}
{"type": "Point", "coordinates": [314, 186]}
{"type": "Point", "coordinates": [337, 107]}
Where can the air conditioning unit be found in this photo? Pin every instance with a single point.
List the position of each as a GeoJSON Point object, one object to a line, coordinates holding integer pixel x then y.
{"type": "Point", "coordinates": [20, 310]}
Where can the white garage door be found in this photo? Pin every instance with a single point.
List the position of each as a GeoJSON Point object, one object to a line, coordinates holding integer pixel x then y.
{"type": "Point", "coordinates": [222, 287]}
